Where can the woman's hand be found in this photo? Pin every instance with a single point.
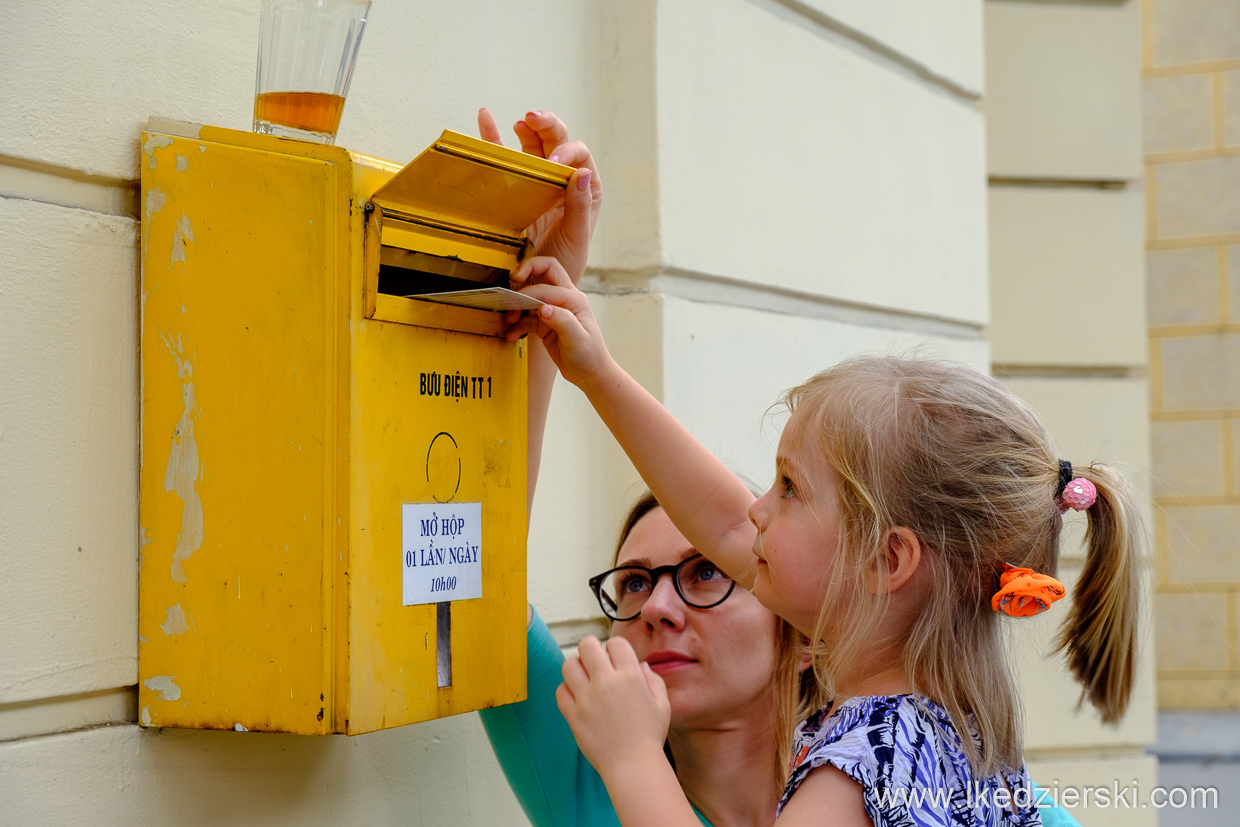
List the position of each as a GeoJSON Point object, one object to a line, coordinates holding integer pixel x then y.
{"type": "Point", "coordinates": [617, 708]}
{"type": "Point", "coordinates": [566, 324]}
{"type": "Point", "coordinates": [564, 230]}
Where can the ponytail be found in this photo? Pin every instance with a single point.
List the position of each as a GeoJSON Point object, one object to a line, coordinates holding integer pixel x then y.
{"type": "Point", "coordinates": [1099, 635]}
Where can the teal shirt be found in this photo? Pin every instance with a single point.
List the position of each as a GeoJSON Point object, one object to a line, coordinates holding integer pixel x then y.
{"type": "Point", "coordinates": [554, 782]}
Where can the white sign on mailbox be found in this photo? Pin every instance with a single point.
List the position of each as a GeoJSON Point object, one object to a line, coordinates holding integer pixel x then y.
{"type": "Point", "coordinates": [441, 556]}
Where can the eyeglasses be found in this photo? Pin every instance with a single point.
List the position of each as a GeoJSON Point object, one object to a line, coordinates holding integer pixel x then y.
{"type": "Point", "coordinates": [623, 591]}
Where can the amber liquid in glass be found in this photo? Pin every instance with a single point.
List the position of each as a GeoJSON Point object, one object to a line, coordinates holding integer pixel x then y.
{"type": "Point", "coordinates": [311, 111]}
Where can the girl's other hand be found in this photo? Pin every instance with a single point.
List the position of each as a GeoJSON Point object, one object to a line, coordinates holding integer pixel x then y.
{"type": "Point", "coordinates": [564, 230]}
{"type": "Point", "coordinates": [617, 708]}
{"type": "Point", "coordinates": [566, 324]}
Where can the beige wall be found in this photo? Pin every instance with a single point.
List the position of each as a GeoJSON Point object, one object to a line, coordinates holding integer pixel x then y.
{"type": "Point", "coordinates": [1191, 65]}
{"type": "Point", "coordinates": [787, 183]}
{"type": "Point", "coordinates": [781, 180]}
{"type": "Point", "coordinates": [1067, 324]}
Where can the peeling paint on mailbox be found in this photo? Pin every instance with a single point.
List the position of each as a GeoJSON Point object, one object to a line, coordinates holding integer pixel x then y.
{"type": "Point", "coordinates": [286, 422]}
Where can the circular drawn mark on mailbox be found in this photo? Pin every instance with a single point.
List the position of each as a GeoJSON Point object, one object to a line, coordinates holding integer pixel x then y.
{"type": "Point", "coordinates": [443, 467]}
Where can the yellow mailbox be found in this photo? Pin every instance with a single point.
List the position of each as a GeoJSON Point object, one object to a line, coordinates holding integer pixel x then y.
{"type": "Point", "coordinates": [333, 474]}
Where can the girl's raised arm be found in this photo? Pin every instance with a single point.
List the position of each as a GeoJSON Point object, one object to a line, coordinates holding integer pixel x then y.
{"type": "Point", "coordinates": [564, 232]}
{"type": "Point", "coordinates": [706, 501]}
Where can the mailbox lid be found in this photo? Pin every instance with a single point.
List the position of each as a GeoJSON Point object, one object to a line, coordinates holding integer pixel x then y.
{"type": "Point", "coordinates": [471, 183]}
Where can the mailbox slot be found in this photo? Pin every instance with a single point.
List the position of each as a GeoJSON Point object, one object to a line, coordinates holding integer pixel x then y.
{"type": "Point", "coordinates": [408, 273]}
{"type": "Point", "coordinates": [406, 259]}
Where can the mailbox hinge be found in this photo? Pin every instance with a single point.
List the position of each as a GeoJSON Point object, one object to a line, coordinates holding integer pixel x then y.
{"type": "Point", "coordinates": [518, 242]}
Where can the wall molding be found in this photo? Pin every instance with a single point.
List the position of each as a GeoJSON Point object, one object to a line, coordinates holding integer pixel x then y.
{"type": "Point", "coordinates": [1059, 183]}
{"type": "Point", "coordinates": [68, 713]}
{"type": "Point", "coordinates": [568, 633]}
{"type": "Point", "coordinates": [1013, 370]}
{"type": "Point", "coordinates": [27, 180]}
{"type": "Point", "coordinates": [841, 34]}
{"type": "Point", "coordinates": [709, 288]}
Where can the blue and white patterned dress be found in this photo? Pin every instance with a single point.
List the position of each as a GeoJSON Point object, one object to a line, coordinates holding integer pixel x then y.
{"type": "Point", "coordinates": [907, 756]}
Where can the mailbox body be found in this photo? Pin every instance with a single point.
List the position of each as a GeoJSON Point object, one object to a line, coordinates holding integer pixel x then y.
{"type": "Point", "coordinates": [287, 420]}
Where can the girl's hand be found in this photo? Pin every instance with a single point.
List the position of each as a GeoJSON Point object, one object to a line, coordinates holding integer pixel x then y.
{"type": "Point", "coordinates": [564, 230]}
{"type": "Point", "coordinates": [617, 708]}
{"type": "Point", "coordinates": [565, 324]}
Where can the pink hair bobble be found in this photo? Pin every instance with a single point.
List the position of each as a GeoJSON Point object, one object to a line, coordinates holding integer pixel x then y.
{"type": "Point", "coordinates": [1077, 494]}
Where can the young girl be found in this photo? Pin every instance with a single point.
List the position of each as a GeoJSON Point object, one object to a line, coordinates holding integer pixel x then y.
{"type": "Point", "coordinates": [914, 503]}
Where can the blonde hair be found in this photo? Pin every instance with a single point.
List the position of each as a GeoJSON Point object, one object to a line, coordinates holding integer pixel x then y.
{"type": "Point", "coordinates": [950, 454]}
{"type": "Point", "coordinates": [797, 692]}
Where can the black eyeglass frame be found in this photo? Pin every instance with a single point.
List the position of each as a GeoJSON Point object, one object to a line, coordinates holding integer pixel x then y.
{"type": "Point", "coordinates": [596, 585]}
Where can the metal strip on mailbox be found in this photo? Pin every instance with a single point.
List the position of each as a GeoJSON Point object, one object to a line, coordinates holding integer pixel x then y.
{"type": "Point", "coordinates": [443, 644]}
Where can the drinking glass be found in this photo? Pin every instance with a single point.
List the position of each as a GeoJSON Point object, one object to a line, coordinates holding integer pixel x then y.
{"type": "Point", "coordinates": [306, 52]}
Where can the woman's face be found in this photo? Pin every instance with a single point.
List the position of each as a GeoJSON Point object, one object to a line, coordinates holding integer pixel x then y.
{"type": "Point", "coordinates": [716, 662]}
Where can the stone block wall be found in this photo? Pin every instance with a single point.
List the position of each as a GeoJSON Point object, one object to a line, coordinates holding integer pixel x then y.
{"type": "Point", "coordinates": [1191, 69]}
{"type": "Point", "coordinates": [1067, 325]}
{"type": "Point", "coordinates": [788, 182]}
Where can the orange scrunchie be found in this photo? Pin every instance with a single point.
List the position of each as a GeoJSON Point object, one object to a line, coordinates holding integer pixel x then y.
{"type": "Point", "coordinates": [1025, 593]}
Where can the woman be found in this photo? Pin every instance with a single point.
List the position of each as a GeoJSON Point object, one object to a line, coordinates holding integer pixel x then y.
{"type": "Point", "coordinates": [717, 663]}
{"type": "Point", "coordinates": [716, 653]}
